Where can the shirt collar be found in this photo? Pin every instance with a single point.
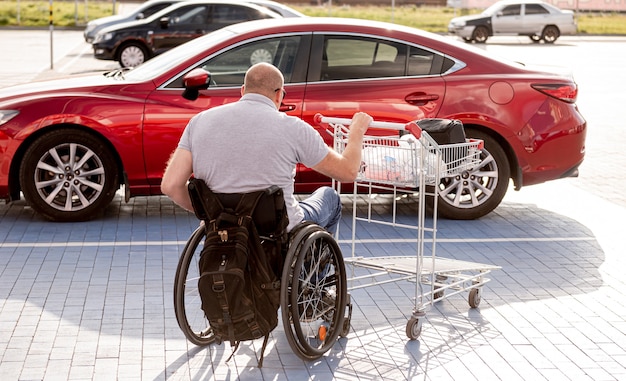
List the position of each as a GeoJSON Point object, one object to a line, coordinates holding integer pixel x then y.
{"type": "Point", "coordinates": [252, 97]}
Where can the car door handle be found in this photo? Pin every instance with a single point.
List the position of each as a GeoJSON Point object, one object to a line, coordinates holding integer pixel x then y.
{"type": "Point", "coordinates": [286, 107]}
{"type": "Point", "coordinates": [420, 99]}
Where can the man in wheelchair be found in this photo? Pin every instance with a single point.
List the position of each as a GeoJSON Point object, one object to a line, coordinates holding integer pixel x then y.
{"type": "Point", "coordinates": [243, 148]}
{"type": "Point", "coordinates": [249, 145]}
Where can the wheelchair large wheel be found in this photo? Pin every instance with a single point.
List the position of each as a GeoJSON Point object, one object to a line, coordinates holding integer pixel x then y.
{"type": "Point", "coordinates": [187, 303]}
{"type": "Point", "coordinates": [314, 292]}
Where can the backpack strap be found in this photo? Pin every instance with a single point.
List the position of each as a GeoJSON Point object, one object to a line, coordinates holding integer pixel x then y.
{"type": "Point", "coordinates": [248, 202]}
{"type": "Point", "coordinates": [260, 363]}
{"type": "Point", "coordinates": [261, 357]}
{"type": "Point", "coordinates": [206, 205]}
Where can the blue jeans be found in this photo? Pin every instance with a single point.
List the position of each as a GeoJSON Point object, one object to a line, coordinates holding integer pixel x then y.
{"type": "Point", "coordinates": [323, 207]}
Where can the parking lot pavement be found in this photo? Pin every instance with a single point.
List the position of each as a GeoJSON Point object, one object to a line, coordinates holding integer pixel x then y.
{"type": "Point", "coordinates": [94, 300]}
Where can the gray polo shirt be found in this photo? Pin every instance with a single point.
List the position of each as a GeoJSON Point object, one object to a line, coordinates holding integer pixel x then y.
{"type": "Point", "coordinates": [249, 145]}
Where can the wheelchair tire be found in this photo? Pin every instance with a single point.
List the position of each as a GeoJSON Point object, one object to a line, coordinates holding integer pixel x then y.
{"type": "Point", "coordinates": [189, 315]}
{"type": "Point", "coordinates": [314, 292]}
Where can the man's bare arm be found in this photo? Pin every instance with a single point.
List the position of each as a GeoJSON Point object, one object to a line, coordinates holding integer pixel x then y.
{"type": "Point", "coordinates": [177, 173]}
{"type": "Point", "coordinates": [345, 166]}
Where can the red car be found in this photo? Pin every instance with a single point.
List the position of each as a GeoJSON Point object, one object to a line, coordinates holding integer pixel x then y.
{"type": "Point", "coordinates": [68, 145]}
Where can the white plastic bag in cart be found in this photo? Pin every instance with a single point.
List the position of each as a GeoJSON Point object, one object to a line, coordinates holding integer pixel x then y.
{"type": "Point", "coordinates": [401, 163]}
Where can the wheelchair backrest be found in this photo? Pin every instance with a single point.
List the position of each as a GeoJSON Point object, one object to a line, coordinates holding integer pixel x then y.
{"type": "Point", "coordinates": [269, 214]}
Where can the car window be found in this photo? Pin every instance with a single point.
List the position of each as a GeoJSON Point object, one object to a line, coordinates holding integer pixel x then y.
{"type": "Point", "coordinates": [421, 62]}
{"type": "Point", "coordinates": [511, 10]}
{"type": "Point", "coordinates": [535, 9]}
{"type": "Point", "coordinates": [229, 14]}
{"type": "Point", "coordinates": [353, 57]}
{"type": "Point", "coordinates": [154, 9]}
{"type": "Point", "coordinates": [189, 15]}
{"type": "Point", "coordinates": [229, 68]}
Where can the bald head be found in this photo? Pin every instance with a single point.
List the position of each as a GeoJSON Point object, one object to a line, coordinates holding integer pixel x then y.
{"type": "Point", "coordinates": [264, 79]}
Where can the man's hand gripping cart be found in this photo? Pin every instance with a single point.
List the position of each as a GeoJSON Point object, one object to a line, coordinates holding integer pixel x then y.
{"type": "Point", "coordinates": [409, 163]}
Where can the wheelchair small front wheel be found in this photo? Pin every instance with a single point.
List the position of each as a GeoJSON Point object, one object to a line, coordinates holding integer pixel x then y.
{"type": "Point", "coordinates": [187, 302]}
{"type": "Point", "coordinates": [313, 292]}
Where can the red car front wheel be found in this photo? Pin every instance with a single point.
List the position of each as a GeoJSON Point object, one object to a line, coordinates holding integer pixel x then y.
{"type": "Point", "coordinates": [68, 175]}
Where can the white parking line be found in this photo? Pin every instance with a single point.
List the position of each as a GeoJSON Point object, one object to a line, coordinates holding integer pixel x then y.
{"type": "Point", "coordinates": [87, 49]}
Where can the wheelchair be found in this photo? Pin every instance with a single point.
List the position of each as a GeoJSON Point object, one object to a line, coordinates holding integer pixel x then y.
{"type": "Point", "coordinates": [314, 303]}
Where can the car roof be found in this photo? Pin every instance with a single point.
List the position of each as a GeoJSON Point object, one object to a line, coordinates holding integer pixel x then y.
{"type": "Point", "coordinates": [327, 23]}
{"type": "Point", "coordinates": [507, 2]}
{"type": "Point", "coordinates": [179, 4]}
{"type": "Point", "coordinates": [150, 3]}
{"type": "Point", "coordinates": [277, 7]}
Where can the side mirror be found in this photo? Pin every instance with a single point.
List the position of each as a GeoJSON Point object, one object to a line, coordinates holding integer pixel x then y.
{"type": "Point", "coordinates": [194, 81]}
{"type": "Point", "coordinates": [140, 16]}
{"type": "Point", "coordinates": [164, 22]}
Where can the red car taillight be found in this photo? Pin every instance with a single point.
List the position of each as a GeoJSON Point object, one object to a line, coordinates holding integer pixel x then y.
{"type": "Point", "coordinates": [564, 92]}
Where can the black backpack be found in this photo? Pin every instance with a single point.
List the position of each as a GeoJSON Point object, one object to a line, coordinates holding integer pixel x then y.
{"type": "Point", "coordinates": [241, 262]}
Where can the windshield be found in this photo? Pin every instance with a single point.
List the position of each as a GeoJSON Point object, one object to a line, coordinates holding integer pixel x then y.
{"type": "Point", "coordinates": [164, 62]}
{"type": "Point", "coordinates": [492, 9]}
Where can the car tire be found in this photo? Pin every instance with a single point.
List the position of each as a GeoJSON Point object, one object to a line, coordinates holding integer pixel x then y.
{"type": "Point", "coordinates": [475, 193]}
{"type": "Point", "coordinates": [550, 34]}
{"type": "Point", "coordinates": [534, 38]}
{"type": "Point", "coordinates": [480, 34]}
{"type": "Point", "coordinates": [68, 175]}
{"type": "Point", "coordinates": [132, 54]}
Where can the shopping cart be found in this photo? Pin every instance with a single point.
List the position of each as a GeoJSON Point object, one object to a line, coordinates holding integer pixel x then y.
{"type": "Point", "coordinates": [409, 162]}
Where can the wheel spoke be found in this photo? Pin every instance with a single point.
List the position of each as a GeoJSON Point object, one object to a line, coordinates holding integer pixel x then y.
{"type": "Point", "coordinates": [69, 200]}
{"type": "Point", "coordinates": [84, 201]}
{"type": "Point", "coordinates": [87, 156]}
{"type": "Point", "coordinates": [95, 186]}
{"type": "Point", "coordinates": [48, 183]}
{"type": "Point", "coordinates": [478, 186]}
{"type": "Point", "coordinates": [72, 159]}
{"type": "Point", "coordinates": [55, 155]}
{"type": "Point", "coordinates": [53, 194]}
{"type": "Point", "coordinates": [49, 168]}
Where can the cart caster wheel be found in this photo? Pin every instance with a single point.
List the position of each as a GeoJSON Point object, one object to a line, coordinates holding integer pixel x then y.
{"type": "Point", "coordinates": [437, 294]}
{"type": "Point", "coordinates": [414, 328]}
{"type": "Point", "coordinates": [474, 297]}
{"type": "Point", "coordinates": [345, 329]}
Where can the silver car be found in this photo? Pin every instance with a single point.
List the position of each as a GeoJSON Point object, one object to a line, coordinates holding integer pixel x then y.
{"type": "Point", "coordinates": [538, 20]}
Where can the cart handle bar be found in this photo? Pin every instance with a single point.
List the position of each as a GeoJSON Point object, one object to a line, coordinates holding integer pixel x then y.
{"type": "Point", "coordinates": [412, 127]}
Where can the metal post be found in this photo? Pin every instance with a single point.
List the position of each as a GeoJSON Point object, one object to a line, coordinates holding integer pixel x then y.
{"type": "Point", "coordinates": [51, 43]}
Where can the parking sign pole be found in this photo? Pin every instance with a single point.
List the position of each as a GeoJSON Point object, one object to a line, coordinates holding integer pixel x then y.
{"type": "Point", "coordinates": [51, 31]}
